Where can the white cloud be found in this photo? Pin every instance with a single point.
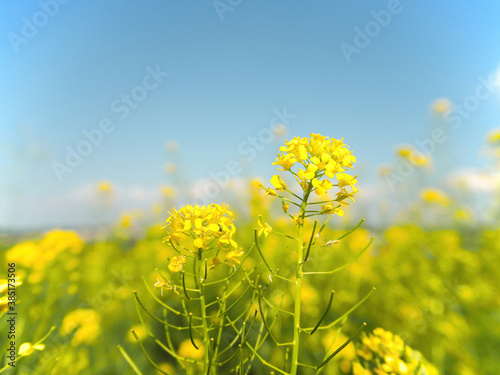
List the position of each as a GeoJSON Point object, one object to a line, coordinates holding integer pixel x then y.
{"type": "Point", "coordinates": [476, 180]}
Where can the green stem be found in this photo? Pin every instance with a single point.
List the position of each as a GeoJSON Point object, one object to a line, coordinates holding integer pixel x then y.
{"type": "Point", "coordinates": [206, 339]}
{"type": "Point", "coordinates": [298, 284]}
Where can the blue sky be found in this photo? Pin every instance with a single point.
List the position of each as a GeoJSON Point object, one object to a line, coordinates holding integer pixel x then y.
{"type": "Point", "coordinates": [227, 75]}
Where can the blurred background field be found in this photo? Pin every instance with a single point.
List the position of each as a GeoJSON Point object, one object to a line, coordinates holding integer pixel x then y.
{"type": "Point", "coordinates": [434, 269]}
{"type": "Point", "coordinates": [113, 114]}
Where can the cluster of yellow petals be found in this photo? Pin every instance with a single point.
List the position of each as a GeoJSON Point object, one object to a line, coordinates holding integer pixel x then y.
{"type": "Point", "coordinates": [494, 137]}
{"type": "Point", "coordinates": [435, 196]}
{"type": "Point", "coordinates": [416, 158]}
{"type": "Point", "coordinates": [233, 257]}
{"type": "Point", "coordinates": [176, 263]}
{"type": "Point", "coordinates": [39, 254]}
{"type": "Point", "coordinates": [383, 353]}
{"type": "Point", "coordinates": [442, 106]}
{"type": "Point", "coordinates": [202, 224]}
{"type": "Point", "coordinates": [319, 159]}
{"type": "Point", "coordinates": [84, 324]}
{"type": "Point", "coordinates": [105, 187]}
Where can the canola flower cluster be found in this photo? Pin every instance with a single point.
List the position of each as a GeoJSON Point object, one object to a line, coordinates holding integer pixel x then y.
{"type": "Point", "coordinates": [435, 196]}
{"type": "Point", "coordinates": [383, 353]}
{"type": "Point", "coordinates": [36, 255]}
{"type": "Point", "coordinates": [413, 156]}
{"type": "Point", "coordinates": [84, 324]}
{"type": "Point", "coordinates": [322, 158]}
{"type": "Point", "coordinates": [204, 227]}
{"type": "Point", "coordinates": [203, 224]}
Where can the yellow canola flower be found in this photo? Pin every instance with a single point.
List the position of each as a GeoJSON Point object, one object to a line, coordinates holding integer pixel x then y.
{"type": "Point", "coordinates": [442, 106]}
{"type": "Point", "coordinates": [321, 187]}
{"type": "Point", "coordinates": [279, 130]}
{"type": "Point", "coordinates": [203, 224]}
{"type": "Point", "coordinates": [26, 254]}
{"type": "Point", "coordinates": [319, 158]}
{"type": "Point", "coordinates": [357, 369]}
{"type": "Point", "coordinates": [232, 257]}
{"type": "Point", "coordinates": [57, 241]}
{"type": "Point", "coordinates": [125, 221]}
{"type": "Point", "coordinates": [105, 187]}
{"type": "Point", "coordinates": [416, 158]}
{"type": "Point", "coordinates": [85, 323]}
{"type": "Point", "coordinates": [343, 194]}
{"type": "Point", "coordinates": [382, 352]}
{"type": "Point", "coordinates": [36, 254]}
{"type": "Point", "coordinates": [494, 137]}
{"type": "Point", "coordinates": [435, 196]}
{"type": "Point", "coordinates": [404, 152]}
{"type": "Point", "coordinates": [176, 263]}
{"type": "Point", "coordinates": [271, 192]}
{"type": "Point", "coordinates": [330, 208]}
{"type": "Point", "coordinates": [298, 219]}
{"type": "Point", "coordinates": [27, 348]}
{"type": "Point", "coordinates": [285, 206]}
{"type": "Point", "coordinates": [278, 183]}
{"type": "Point", "coordinates": [187, 350]}
{"type": "Point", "coordinates": [168, 191]}
{"type": "Point", "coordinates": [263, 228]}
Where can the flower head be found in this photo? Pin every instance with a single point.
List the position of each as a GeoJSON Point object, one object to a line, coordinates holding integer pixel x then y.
{"type": "Point", "coordinates": [85, 323]}
{"type": "Point", "coordinates": [442, 106]}
{"type": "Point", "coordinates": [319, 159]}
{"type": "Point", "coordinates": [202, 225]}
{"type": "Point", "coordinates": [278, 183]}
{"type": "Point", "coordinates": [330, 208]}
{"type": "Point", "coordinates": [413, 156]}
{"type": "Point", "coordinates": [105, 187]}
{"type": "Point", "coordinates": [382, 352]}
{"type": "Point", "coordinates": [176, 263]}
{"type": "Point", "coordinates": [494, 137]}
{"type": "Point", "coordinates": [435, 196]}
{"type": "Point", "coordinates": [232, 257]}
